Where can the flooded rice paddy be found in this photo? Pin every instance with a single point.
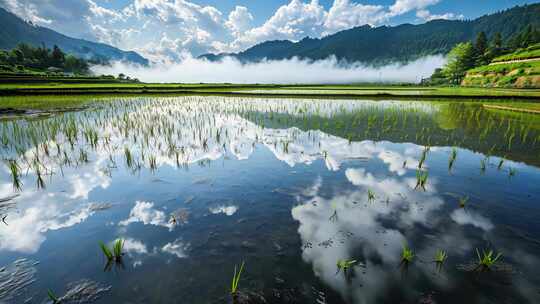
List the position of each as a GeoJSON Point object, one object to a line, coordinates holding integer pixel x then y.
{"type": "Point", "coordinates": [324, 201]}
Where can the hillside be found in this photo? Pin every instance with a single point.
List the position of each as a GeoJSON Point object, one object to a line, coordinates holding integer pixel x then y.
{"type": "Point", "coordinates": [402, 43]}
{"type": "Point", "coordinates": [520, 69]}
{"type": "Point", "coordinates": [14, 30]}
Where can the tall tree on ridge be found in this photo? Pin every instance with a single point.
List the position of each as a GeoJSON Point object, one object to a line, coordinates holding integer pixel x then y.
{"type": "Point", "coordinates": [480, 48]}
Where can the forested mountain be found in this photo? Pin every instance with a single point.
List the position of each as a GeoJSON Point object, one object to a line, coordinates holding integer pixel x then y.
{"type": "Point", "coordinates": [379, 45]}
{"type": "Point", "coordinates": [14, 30]}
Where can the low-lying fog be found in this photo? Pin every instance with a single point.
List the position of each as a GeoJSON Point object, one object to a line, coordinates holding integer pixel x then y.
{"type": "Point", "coordinates": [230, 70]}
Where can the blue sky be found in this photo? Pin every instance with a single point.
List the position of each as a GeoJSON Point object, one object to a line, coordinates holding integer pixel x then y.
{"type": "Point", "coordinates": [264, 9]}
{"type": "Point", "coordinates": [169, 30]}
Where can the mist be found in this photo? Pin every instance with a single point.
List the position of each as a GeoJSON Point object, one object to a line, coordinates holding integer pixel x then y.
{"type": "Point", "coordinates": [288, 71]}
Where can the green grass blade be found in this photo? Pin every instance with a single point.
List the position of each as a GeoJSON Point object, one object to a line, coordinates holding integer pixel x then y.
{"type": "Point", "coordinates": [106, 251]}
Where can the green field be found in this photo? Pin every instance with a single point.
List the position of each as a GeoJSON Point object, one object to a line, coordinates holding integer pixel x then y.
{"type": "Point", "coordinates": [76, 92]}
{"type": "Point", "coordinates": [531, 52]}
{"type": "Point", "coordinates": [261, 89]}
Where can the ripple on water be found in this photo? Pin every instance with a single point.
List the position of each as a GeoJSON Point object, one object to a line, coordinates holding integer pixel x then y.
{"type": "Point", "coordinates": [16, 277]}
{"type": "Point", "coordinates": [83, 291]}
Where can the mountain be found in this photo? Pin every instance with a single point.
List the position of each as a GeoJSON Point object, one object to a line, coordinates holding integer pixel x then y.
{"type": "Point", "coordinates": [14, 30]}
{"type": "Point", "coordinates": [406, 42]}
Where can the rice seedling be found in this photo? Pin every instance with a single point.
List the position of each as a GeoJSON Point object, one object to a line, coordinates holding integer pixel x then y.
{"type": "Point", "coordinates": [344, 265]}
{"type": "Point", "coordinates": [40, 182]}
{"type": "Point", "coordinates": [333, 217]}
{"type": "Point", "coordinates": [501, 162]}
{"type": "Point", "coordinates": [117, 249]}
{"type": "Point", "coordinates": [463, 201]}
{"type": "Point", "coordinates": [106, 251]}
{"type": "Point", "coordinates": [54, 299]}
{"type": "Point", "coordinates": [487, 259]}
{"type": "Point", "coordinates": [453, 156]}
{"type": "Point", "coordinates": [512, 172]}
{"type": "Point", "coordinates": [129, 157]}
{"type": "Point", "coordinates": [407, 255]}
{"type": "Point", "coordinates": [371, 196]}
{"type": "Point", "coordinates": [116, 253]}
{"type": "Point", "coordinates": [236, 279]}
{"type": "Point", "coordinates": [421, 179]}
{"type": "Point", "coordinates": [483, 164]}
{"type": "Point", "coordinates": [423, 157]}
{"type": "Point", "coordinates": [15, 176]}
{"type": "Point", "coordinates": [152, 163]}
{"type": "Point", "coordinates": [440, 256]}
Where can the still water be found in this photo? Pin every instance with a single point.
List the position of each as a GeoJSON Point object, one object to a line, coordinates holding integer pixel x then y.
{"type": "Point", "coordinates": [319, 199]}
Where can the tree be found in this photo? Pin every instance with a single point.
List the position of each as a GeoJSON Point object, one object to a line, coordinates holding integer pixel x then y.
{"type": "Point", "coordinates": [529, 35]}
{"type": "Point", "coordinates": [495, 47]}
{"type": "Point", "coordinates": [497, 41]}
{"type": "Point", "coordinates": [460, 59]}
{"type": "Point", "coordinates": [57, 57]}
{"type": "Point", "coordinates": [16, 56]}
{"type": "Point", "coordinates": [75, 65]}
{"type": "Point", "coordinates": [480, 48]}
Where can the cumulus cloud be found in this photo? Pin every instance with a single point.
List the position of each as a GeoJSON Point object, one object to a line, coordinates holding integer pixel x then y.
{"type": "Point", "coordinates": [428, 16]}
{"type": "Point", "coordinates": [227, 210]}
{"type": "Point", "coordinates": [144, 212]}
{"type": "Point", "coordinates": [73, 18]}
{"type": "Point", "coordinates": [27, 231]}
{"type": "Point", "coordinates": [292, 21]}
{"type": "Point", "coordinates": [404, 6]}
{"type": "Point", "coordinates": [345, 14]}
{"type": "Point", "coordinates": [133, 246]}
{"type": "Point", "coordinates": [176, 248]}
{"type": "Point", "coordinates": [163, 30]}
{"type": "Point", "coordinates": [298, 71]}
{"type": "Point", "coordinates": [463, 217]}
{"type": "Point", "coordinates": [239, 20]}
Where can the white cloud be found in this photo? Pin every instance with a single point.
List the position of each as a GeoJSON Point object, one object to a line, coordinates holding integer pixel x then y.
{"type": "Point", "coordinates": [144, 212]}
{"type": "Point", "coordinates": [427, 16]}
{"type": "Point", "coordinates": [26, 232]}
{"type": "Point", "coordinates": [227, 210]}
{"type": "Point", "coordinates": [345, 14]}
{"type": "Point", "coordinates": [132, 246]}
{"type": "Point", "coordinates": [177, 248]}
{"type": "Point", "coordinates": [404, 6]}
{"type": "Point", "coordinates": [73, 18]}
{"type": "Point", "coordinates": [292, 21]}
{"type": "Point", "coordinates": [239, 20]}
{"type": "Point", "coordinates": [164, 30]}
{"type": "Point", "coordinates": [463, 217]}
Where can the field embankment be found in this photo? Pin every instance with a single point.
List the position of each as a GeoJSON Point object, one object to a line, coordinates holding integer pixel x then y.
{"type": "Point", "coordinates": [517, 70]}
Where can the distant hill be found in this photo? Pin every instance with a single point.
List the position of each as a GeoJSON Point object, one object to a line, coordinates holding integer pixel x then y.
{"type": "Point", "coordinates": [14, 30]}
{"type": "Point", "coordinates": [402, 43]}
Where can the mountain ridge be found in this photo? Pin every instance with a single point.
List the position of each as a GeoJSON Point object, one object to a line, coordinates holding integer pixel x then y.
{"type": "Point", "coordinates": [384, 44]}
{"type": "Point", "coordinates": [15, 30]}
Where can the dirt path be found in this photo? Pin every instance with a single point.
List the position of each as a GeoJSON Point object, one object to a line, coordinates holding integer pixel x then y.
{"type": "Point", "coordinates": [515, 61]}
{"type": "Point", "coordinates": [487, 106]}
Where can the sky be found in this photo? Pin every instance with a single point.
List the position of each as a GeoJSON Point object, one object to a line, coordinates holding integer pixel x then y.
{"type": "Point", "coordinates": [170, 30]}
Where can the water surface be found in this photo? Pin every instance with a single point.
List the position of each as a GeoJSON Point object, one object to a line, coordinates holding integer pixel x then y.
{"type": "Point", "coordinates": [196, 185]}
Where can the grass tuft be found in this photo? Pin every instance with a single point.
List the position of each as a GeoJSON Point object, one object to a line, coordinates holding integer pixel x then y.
{"type": "Point", "coordinates": [486, 260]}
{"type": "Point", "coordinates": [407, 255]}
{"type": "Point", "coordinates": [236, 279]}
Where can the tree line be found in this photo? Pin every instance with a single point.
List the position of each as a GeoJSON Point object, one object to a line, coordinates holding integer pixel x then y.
{"type": "Point", "coordinates": [27, 57]}
{"type": "Point", "coordinates": [467, 55]}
